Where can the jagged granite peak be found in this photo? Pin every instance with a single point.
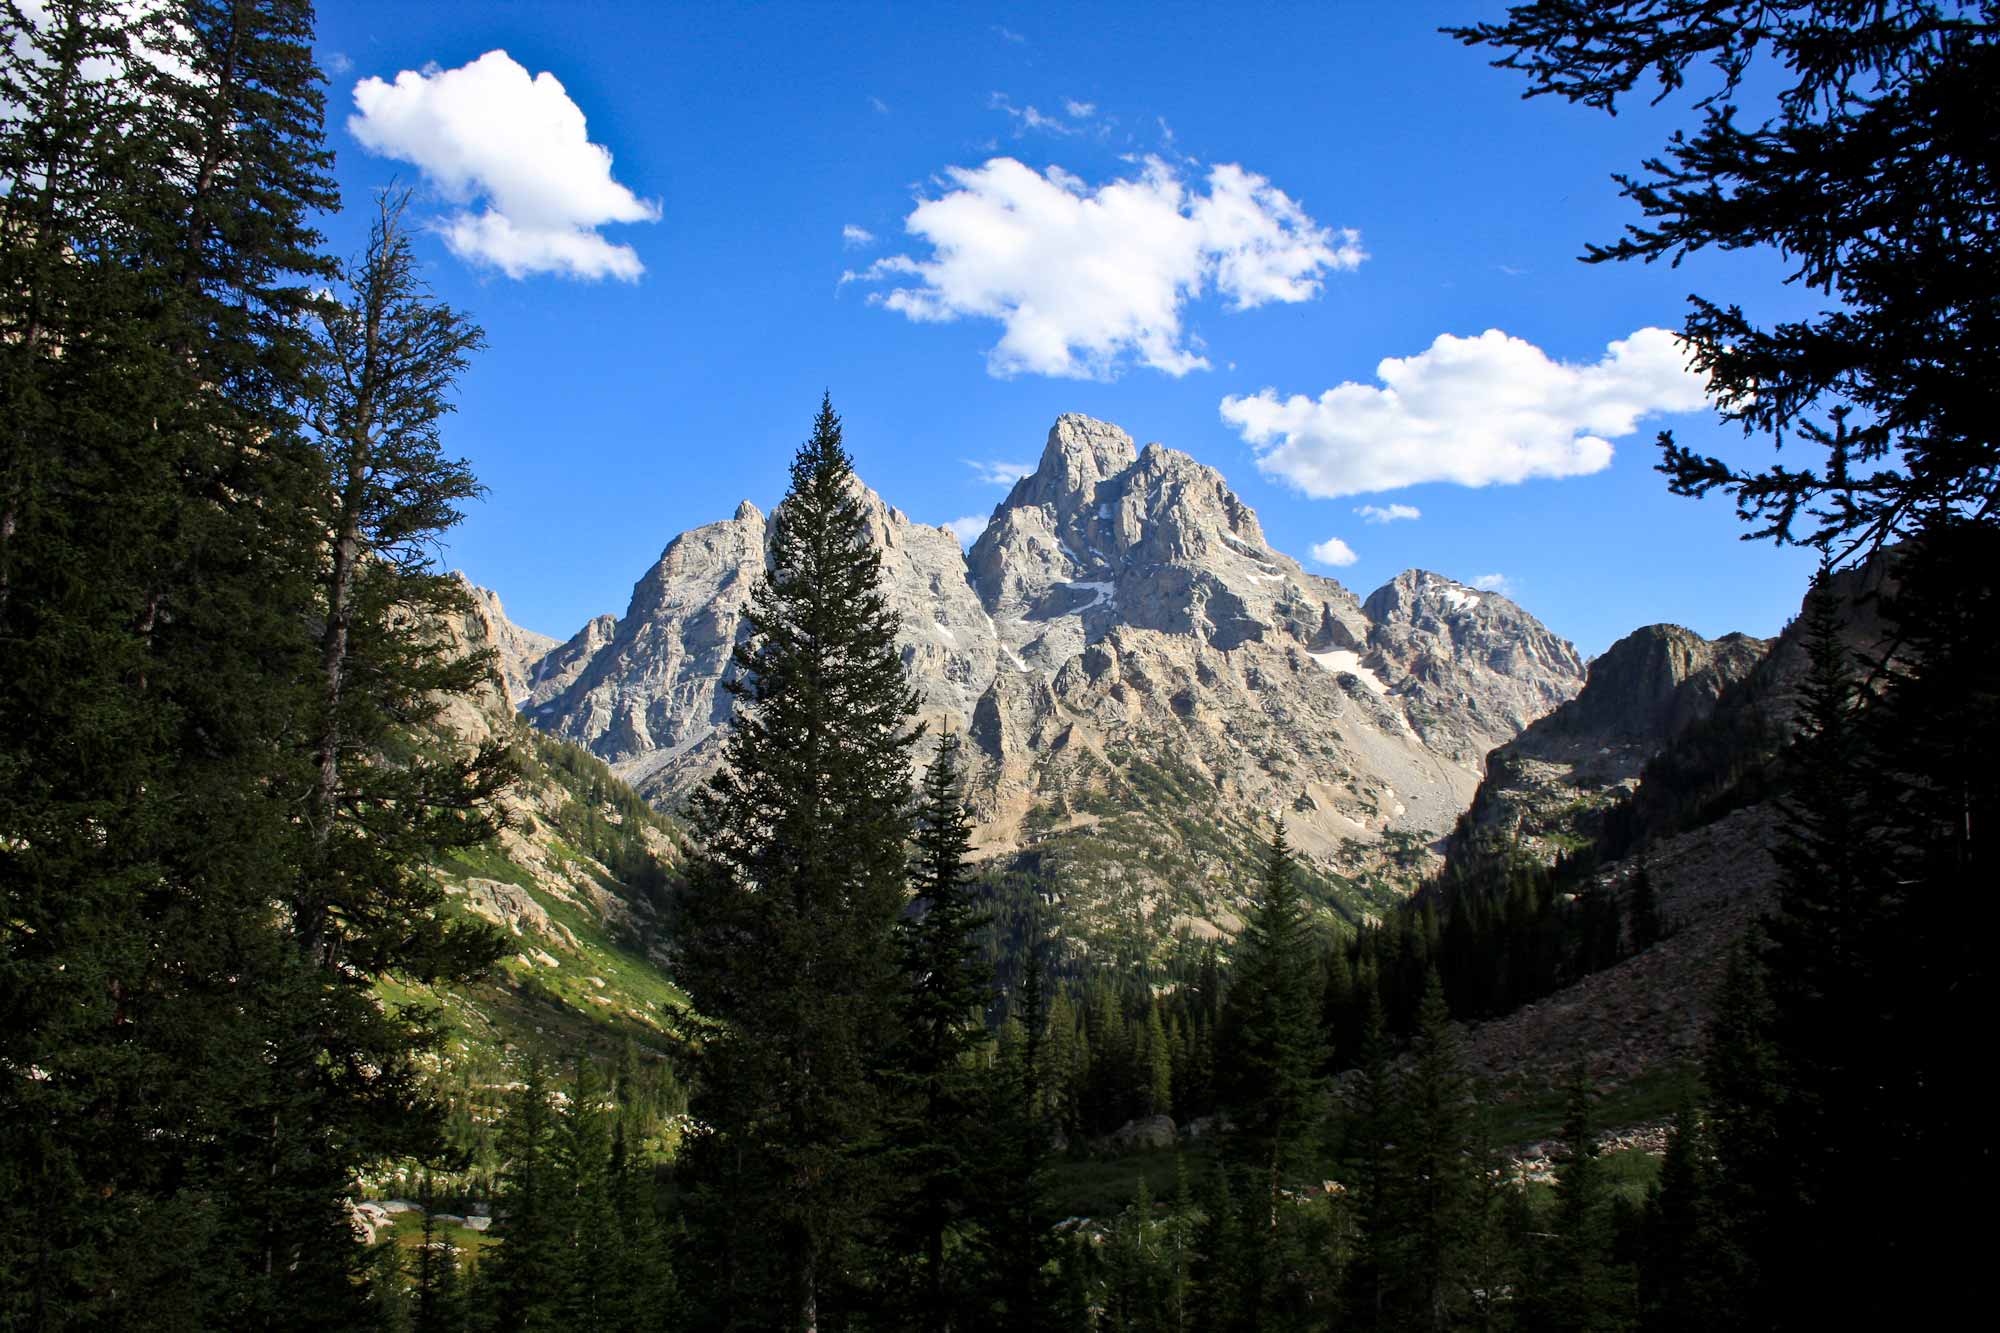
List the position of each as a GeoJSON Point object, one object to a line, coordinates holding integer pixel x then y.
{"type": "Point", "coordinates": [1122, 614]}
{"type": "Point", "coordinates": [516, 650]}
{"type": "Point", "coordinates": [557, 670]}
{"type": "Point", "coordinates": [1102, 534]}
{"type": "Point", "coordinates": [653, 691]}
{"type": "Point", "coordinates": [1475, 668]}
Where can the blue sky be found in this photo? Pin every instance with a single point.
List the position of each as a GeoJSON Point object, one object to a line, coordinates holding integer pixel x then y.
{"type": "Point", "coordinates": [1151, 213]}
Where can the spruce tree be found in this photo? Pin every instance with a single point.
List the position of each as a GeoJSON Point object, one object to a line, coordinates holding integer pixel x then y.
{"type": "Point", "coordinates": [1433, 1195]}
{"type": "Point", "coordinates": [786, 941]}
{"type": "Point", "coordinates": [156, 247]}
{"type": "Point", "coordinates": [521, 1287]}
{"type": "Point", "coordinates": [1013, 1243]}
{"type": "Point", "coordinates": [1574, 1286]}
{"type": "Point", "coordinates": [1273, 1095]}
{"type": "Point", "coordinates": [1685, 1280]}
{"type": "Point", "coordinates": [946, 981]}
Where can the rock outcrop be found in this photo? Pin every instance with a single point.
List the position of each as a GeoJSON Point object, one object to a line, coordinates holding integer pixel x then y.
{"type": "Point", "coordinates": [516, 650]}
{"type": "Point", "coordinates": [1546, 790]}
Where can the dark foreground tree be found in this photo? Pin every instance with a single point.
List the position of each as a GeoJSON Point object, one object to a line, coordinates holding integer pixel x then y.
{"type": "Point", "coordinates": [934, 1122]}
{"type": "Point", "coordinates": [786, 939]}
{"type": "Point", "coordinates": [1871, 171]}
{"type": "Point", "coordinates": [1272, 1050]}
{"type": "Point", "coordinates": [163, 167]}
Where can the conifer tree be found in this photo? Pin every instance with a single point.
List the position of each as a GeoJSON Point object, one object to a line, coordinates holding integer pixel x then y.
{"type": "Point", "coordinates": [1012, 1244]}
{"type": "Point", "coordinates": [580, 1160]}
{"type": "Point", "coordinates": [1274, 1097]}
{"type": "Point", "coordinates": [1645, 914]}
{"type": "Point", "coordinates": [786, 939]}
{"type": "Point", "coordinates": [163, 166]}
{"type": "Point", "coordinates": [1573, 1286]}
{"type": "Point", "coordinates": [946, 982]}
{"type": "Point", "coordinates": [521, 1287]}
{"type": "Point", "coordinates": [1684, 1272]}
{"type": "Point", "coordinates": [1368, 1166]}
{"type": "Point", "coordinates": [1433, 1195]}
{"type": "Point", "coordinates": [640, 1292]}
{"type": "Point", "coordinates": [435, 1275]}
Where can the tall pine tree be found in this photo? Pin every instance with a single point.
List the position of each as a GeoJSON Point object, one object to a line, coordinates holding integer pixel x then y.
{"type": "Point", "coordinates": [936, 1089]}
{"type": "Point", "coordinates": [786, 940]}
{"type": "Point", "coordinates": [1274, 1096]}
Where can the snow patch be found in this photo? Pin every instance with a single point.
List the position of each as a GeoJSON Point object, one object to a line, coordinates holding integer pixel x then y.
{"type": "Point", "coordinates": [1457, 598]}
{"type": "Point", "coordinates": [1105, 591]}
{"type": "Point", "coordinates": [944, 633]}
{"type": "Point", "coordinates": [1344, 663]}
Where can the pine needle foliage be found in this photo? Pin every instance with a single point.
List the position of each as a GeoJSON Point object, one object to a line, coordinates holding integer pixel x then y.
{"type": "Point", "coordinates": [787, 932]}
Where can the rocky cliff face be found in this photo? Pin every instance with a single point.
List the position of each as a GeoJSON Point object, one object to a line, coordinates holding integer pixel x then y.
{"type": "Point", "coordinates": [1546, 789]}
{"type": "Point", "coordinates": [516, 650]}
{"type": "Point", "coordinates": [1144, 679]}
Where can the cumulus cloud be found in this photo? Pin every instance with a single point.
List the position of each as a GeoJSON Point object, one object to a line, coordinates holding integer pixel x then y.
{"type": "Point", "coordinates": [1334, 552]}
{"type": "Point", "coordinates": [967, 529]}
{"type": "Point", "coordinates": [1081, 279]}
{"type": "Point", "coordinates": [1493, 583]}
{"type": "Point", "coordinates": [1475, 411]}
{"type": "Point", "coordinates": [999, 474]}
{"type": "Point", "coordinates": [1388, 513]}
{"type": "Point", "coordinates": [515, 149]}
{"type": "Point", "coordinates": [855, 237]}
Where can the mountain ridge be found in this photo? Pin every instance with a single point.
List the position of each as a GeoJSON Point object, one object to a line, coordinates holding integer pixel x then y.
{"type": "Point", "coordinates": [1123, 604]}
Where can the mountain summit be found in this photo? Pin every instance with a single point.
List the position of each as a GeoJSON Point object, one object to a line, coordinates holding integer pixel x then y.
{"type": "Point", "coordinates": [1144, 680]}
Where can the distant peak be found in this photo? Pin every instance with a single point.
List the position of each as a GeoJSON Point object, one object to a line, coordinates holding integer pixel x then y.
{"type": "Point", "coordinates": [747, 510]}
{"type": "Point", "coordinates": [1081, 444]}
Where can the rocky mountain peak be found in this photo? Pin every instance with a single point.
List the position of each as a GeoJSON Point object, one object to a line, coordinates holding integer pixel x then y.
{"type": "Point", "coordinates": [1551, 784]}
{"type": "Point", "coordinates": [1081, 453]}
{"type": "Point", "coordinates": [1121, 618]}
{"type": "Point", "coordinates": [1478, 667]}
{"type": "Point", "coordinates": [1656, 680]}
{"type": "Point", "coordinates": [517, 650]}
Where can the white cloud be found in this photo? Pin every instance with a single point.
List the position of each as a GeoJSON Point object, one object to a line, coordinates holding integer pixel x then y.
{"type": "Point", "coordinates": [339, 63]}
{"type": "Point", "coordinates": [1079, 110]}
{"type": "Point", "coordinates": [881, 107]}
{"type": "Point", "coordinates": [999, 474]}
{"type": "Point", "coordinates": [1475, 411]}
{"type": "Point", "coordinates": [1334, 552]}
{"type": "Point", "coordinates": [855, 237]}
{"type": "Point", "coordinates": [1388, 513]}
{"type": "Point", "coordinates": [1081, 279]}
{"type": "Point", "coordinates": [1010, 36]}
{"type": "Point", "coordinates": [1494, 583]}
{"type": "Point", "coordinates": [967, 529]}
{"type": "Point", "coordinates": [488, 133]}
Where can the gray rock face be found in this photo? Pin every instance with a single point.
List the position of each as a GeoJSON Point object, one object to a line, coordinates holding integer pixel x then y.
{"type": "Point", "coordinates": [1121, 638]}
{"type": "Point", "coordinates": [1476, 668]}
{"type": "Point", "coordinates": [518, 650]}
{"type": "Point", "coordinates": [558, 669]}
{"type": "Point", "coordinates": [653, 693]}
